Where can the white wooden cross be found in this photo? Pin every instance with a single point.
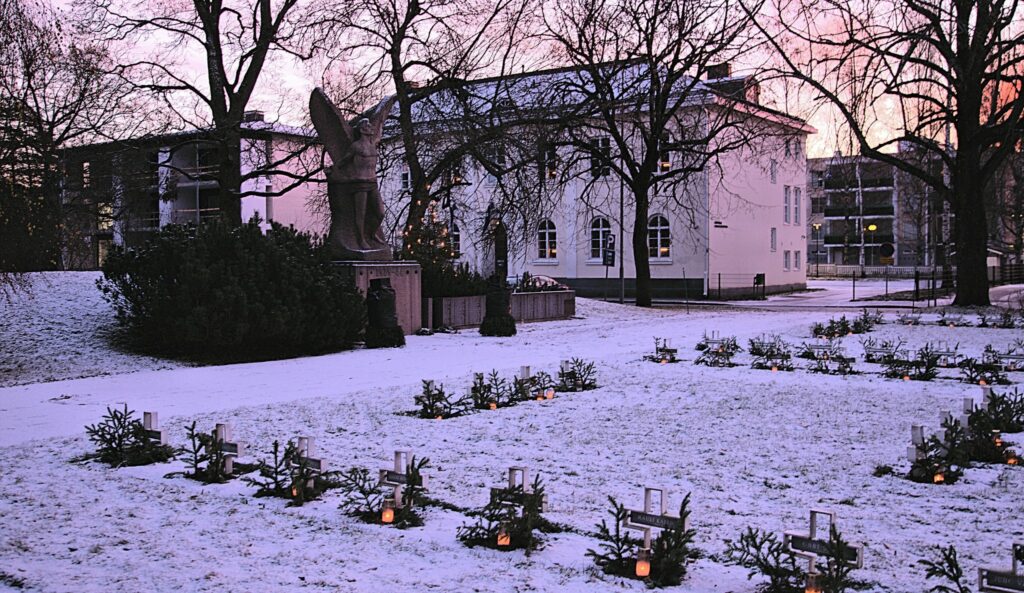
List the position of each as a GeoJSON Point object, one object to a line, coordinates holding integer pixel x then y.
{"type": "Point", "coordinates": [304, 447]}
{"type": "Point", "coordinates": [992, 580]}
{"type": "Point", "coordinates": [810, 546]}
{"type": "Point", "coordinates": [400, 476]}
{"type": "Point", "coordinates": [914, 452]}
{"type": "Point", "coordinates": [651, 517]}
{"type": "Point", "coordinates": [151, 425]}
{"type": "Point", "coordinates": [230, 448]}
{"type": "Point", "coordinates": [518, 489]}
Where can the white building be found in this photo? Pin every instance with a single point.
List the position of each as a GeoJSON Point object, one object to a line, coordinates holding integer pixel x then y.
{"type": "Point", "coordinates": [745, 215]}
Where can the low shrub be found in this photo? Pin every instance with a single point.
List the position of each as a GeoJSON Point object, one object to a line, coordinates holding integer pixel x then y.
{"type": "Point", "coordinates": [216, 293]}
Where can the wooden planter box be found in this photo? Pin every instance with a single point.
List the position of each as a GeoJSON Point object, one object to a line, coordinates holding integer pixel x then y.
{"type": "Point", "coordinates": [461, 312]}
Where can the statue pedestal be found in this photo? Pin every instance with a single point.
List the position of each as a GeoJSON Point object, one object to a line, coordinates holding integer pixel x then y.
{"type": "Point", "coordinates": [405, 279]}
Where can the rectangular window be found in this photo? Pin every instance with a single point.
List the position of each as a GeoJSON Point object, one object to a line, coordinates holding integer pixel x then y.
{"type": "Point", "coordinates": [86, 176]}
{"type": "Point", "coordinates": [270, 203]}
{"type": "Point", "coordinates": [406, 181]}
{"type": "Point", "coordinates": [773, 171]}
{"type": "Point", "coordinates": [785, 204]}
{"type": "Point", "coordinates": [796, 204]}
{"type": "Point", "coordinates": [665, 154]}
{"type": "Point", "coordinates": [785, 260]}
{"type": "Point", "coordinates": [796, 260]}
{"type": "Point", "coordinates": [601, 151]}
{"type": "Point", "coordinates": [775, 239]}
{"type": "Point", "coordinates": [548, 162]}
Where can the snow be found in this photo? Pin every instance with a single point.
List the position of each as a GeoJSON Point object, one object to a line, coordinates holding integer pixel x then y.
{"type": "Point", "coordinates": [54, 331]}
{"type": "Point", "coordinates": [754, 448]}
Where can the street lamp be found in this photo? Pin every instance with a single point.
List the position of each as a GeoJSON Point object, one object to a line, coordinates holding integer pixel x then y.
{"type": "Point", "coordinates": [871, 229]}
{"type": "Point", "coordinates": [817, 248]}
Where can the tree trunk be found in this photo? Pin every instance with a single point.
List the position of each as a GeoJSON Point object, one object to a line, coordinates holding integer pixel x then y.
{"type": "Point", "coordinates": [641, 260]}
{"type": "Point", "coordinates": [229, 177]}
{"type": "Point", "coordinates": [971, 245]}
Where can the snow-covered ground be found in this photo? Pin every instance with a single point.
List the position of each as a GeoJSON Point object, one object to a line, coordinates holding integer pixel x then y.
{"type": "Point", "coordinates": [754, 448]}
{"type": "Point", "coordinates": [55, 331]}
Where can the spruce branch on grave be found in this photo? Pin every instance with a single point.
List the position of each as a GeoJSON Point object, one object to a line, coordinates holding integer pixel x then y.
{"type": "Point", "coordinates": [195, 453]}
{"type": "Point", "coordinates": [878, 351]}
{"type": "Point", "coordinates": [435, 403]}
{"type": "Point", "coordinates": [275, 477]}
{"type": "Point", "coordinates": [508, 522]}
{"type": "Point", "coordinates": [763, 554]}
{"type": "Point", "coordinates": [580, 376]}
{"type": "Point", "coordinates": [362, 495]}
{"type": "Point", "coordinates": [1006, 411]}
{"type": "Point", "coordinates": [946, 567]}
{"type": "Point", "coordinates": [672, 551]}
{"type": "Point", "coordinates": [909, 319]}
{"type": "Point", "coordinates": [663, 353]}
{"type": "Point", "coordinates": [1006, 320]}
{"type": "Point", "coordinates": [984, 372]}
{"type": "Point", "coordinates": [721, 354]}
{"type": "Point", "coordinates": [775, 355]}
{"type": "Point", "coordinates": [214, 472]}
{"type": "Point", "coordinates": [864, 323]}
{"type": "Point", "coordinates": [121, 440]}
{"type": "Point", "coordinates": [835, 570]}
{"type": "Point", "coordinates": [949, 320]}
{"type": "Point", "coordinates": [617, 548]}
{"type": "Point", "coordinates": [941, 460]}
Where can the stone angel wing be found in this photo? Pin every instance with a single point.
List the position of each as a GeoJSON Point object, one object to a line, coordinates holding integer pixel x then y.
{"type": "Point", "coordinates": [330, 125]}
{"type": "Point", "coordinates": [380, 113]}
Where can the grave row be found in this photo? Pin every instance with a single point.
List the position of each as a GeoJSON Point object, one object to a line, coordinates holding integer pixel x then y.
{"type": "Point", "coordinates": [654, 515]}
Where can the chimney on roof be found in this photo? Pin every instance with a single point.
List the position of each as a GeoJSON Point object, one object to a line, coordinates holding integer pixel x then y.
{"type": "Point", "coordinates": [253, 115]}
{"type": "Point", "coordinates": [716, 71]}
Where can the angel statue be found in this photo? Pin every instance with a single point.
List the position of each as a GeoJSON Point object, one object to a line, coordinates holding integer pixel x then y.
{"type": "Point", "coordinates": [354, 197]}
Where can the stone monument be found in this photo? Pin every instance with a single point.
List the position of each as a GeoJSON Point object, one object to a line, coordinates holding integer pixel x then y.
{"type": "Point", "coordinates": [355, 238]}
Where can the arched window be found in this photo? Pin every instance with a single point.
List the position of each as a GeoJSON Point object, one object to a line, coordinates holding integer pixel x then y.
{"type": "Point", "coordinates": [456, 239]}
{"type": "Point", "coordinates": [659, 241]}
{"type": "Point", "coordinates": [600, 228]}
{"type": "Point", "coordinates": [547, 240]}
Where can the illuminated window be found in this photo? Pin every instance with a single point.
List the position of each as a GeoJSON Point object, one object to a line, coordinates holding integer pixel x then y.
{"type": "Point", "coordinates": [600, 229]}
{"type": "Point", "coordinates": [659, 241]}
{"type": "Point", "coordinates": [547, 240]}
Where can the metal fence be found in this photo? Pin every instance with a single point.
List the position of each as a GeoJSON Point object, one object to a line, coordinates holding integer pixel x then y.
{"type": "Point", "coordinates": [997, 275]}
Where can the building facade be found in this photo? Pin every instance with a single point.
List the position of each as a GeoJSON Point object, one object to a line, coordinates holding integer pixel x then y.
{"type": "Point", "coordinates": [868, 213]}
{"type": "Point", "coordinates": [121, 193]}
{"type": "Point", "coordinates": [740, 222]}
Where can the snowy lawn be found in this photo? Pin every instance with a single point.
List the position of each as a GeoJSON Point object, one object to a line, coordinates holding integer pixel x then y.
{"type": "Point", "coordinates": [754, 448]}
{"type": "Point", "coordinates": [55, 331]}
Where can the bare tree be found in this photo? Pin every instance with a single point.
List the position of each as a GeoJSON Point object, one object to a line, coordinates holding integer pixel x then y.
{"type": "Point", "coordinates": [432, 55]}
{"type": "Point", "coordinates": [637, 102]}
{"type": "Point", "coordinates": [56, 91]}
{"type": "Point", "coordinates": [941, 78]}
{"type": "Point", "coordinates": [236, 40]}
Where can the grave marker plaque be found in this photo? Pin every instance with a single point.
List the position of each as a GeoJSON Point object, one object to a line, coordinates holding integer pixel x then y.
{"type": "Point", "coordinates": [991, 580]}
{"type": "Point", "coordinates": [401, 476]}
{"type": "Point", "coordinates": [228, 446]}
{"type": "Point", "coordinates": [810, 546]}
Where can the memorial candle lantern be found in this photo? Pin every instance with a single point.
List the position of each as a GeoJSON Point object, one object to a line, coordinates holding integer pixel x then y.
{"type": "Point", "coordinates": [997, 439]}
{"type": "Point", "coordinates": [775, 369]}
{"type": "Point", "coordinates": [1011, 458]}
{"type": "Point", "coordinates": [938, 478]}
{"type": "Point", "coordinates": [549, 393]}
{"type": "Point", "coordinates": [295, 491]}
{"type": "Point", "coordinates": [813, 584]}
{"type": "Point", "coordinates": [643, 563]}
{"type": "Point", "coordinates": [504, 539]}
{"type": "Point", "coordinates": [387, 514]}
{"type": "Point", "coordinates": [982, 382]}
{"type": "Point", "coordinates": [492, 405]}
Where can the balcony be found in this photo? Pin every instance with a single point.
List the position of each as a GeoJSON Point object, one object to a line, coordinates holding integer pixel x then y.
{"type": "Point", "coordinates": [869, 239]}
{"type": "Point", "coordinates": [855, 212]}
